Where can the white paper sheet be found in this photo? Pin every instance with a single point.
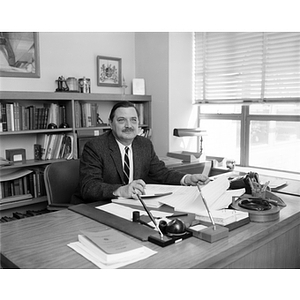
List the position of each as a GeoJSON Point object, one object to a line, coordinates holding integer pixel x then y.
{"type": "Point", "coordinates": [121, 211]}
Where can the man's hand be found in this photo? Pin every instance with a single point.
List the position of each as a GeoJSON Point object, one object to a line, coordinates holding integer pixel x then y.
{"type": "Point", "coordinates": [196, 178]}
{"type": "Point", "coordinates": [131, 190]}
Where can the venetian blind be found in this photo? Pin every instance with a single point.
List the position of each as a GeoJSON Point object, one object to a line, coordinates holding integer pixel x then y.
{"type": "Point", "coordinates": [241, 67]}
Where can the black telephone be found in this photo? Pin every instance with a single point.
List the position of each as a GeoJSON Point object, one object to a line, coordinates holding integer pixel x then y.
{"type": "Point", "coordinates": [244, 182]}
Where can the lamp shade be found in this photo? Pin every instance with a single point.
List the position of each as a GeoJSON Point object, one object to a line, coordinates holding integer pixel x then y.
{"type": "Point", "coordinates": [188, 132]}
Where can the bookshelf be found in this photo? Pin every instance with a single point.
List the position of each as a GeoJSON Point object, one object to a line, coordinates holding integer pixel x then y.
{"type": "Point", "coordinates": [26, 138]}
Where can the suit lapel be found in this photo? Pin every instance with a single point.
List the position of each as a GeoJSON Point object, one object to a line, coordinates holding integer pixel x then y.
{"type": "Point", "coordinates": [115, 155]}
{"type": "Point", "coordinates": [137, 159]}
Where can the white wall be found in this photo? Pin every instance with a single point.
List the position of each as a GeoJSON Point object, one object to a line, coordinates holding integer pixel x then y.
{"type": "Point", "coordinates": [74, 55]}
{"type": "Point", "coordinates": [182, 113]}
{"type": "Point", "coordinates": [165, 61]}
{"type": "Point", "coordinates": [152, 63]}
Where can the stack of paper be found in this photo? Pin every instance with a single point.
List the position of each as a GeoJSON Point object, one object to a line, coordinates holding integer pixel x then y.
{"type": "Point", "coordinates": [109, 248]}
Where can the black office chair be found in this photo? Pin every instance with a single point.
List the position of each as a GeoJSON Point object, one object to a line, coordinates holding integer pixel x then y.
{"type": "Point", "coordinates": [61, 179]}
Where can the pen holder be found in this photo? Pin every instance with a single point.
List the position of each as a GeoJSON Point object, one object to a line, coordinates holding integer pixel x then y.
{"type": "Point", "coordinates": [259, 193]}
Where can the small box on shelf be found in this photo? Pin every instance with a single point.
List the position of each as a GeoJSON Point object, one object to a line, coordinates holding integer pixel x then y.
{"type": "Point", "coordinates": [16, 155]}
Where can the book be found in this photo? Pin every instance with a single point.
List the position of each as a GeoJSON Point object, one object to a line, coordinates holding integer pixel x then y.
{"type": "Point", "coordinates": [50, 147]}
{"type": "Point", "coordinates": [53, 114]}
{"type": "Point", "coordinates": [69, 149]}
{"type": "Point", "coordinates": [140, 108]}
{"type": "Point", "coordinates": [223, 217]}
{"type": "Point", "coordinates": [26, 120]}
{"type": "Point", "coordinates": [43, 140]}
{"type": "Point", "coordinates": [86, 114]}
{"type": "Point", "coordinates": [10, 117]}
{"type": "Point", "coordinates": [93, 114]}
{"type": "Point", "coordinates": [3, 117]}
{"type": "Point", "coordinates": [78, 114]}
{"type": "Point", "coordinates": [110, 246]}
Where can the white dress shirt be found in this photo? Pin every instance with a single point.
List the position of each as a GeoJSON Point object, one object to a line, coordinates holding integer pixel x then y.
{"type": "Point", "coordinates": [130, 156]}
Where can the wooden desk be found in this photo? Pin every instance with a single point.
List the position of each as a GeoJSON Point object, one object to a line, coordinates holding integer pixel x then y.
{"type": "Point", "coordinates": [41, 242]}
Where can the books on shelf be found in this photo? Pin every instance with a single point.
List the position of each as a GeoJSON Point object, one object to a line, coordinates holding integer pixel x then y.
{"type": "Point", "coordinates": [140, 108]}
{"type": "Point", "coordinates": [110, 248]}
{"type": "Point", "coordinates": [86, 114]}
{"type": "Point", "coordinates": [21, 184]}
{"type": "Point", "coordinates": [57, 146]}
{"type": "Point", "coordinates": [17, 117]}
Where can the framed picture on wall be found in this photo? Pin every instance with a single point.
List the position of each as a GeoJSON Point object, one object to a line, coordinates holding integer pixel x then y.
{"type": "Point", "coordinates": [19, 54]}
{"type": "Point", "coordinates": [109, 71]}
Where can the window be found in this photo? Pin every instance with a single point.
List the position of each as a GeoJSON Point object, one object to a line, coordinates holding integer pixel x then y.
{"type": "Point", "coordinates": [247, 86]}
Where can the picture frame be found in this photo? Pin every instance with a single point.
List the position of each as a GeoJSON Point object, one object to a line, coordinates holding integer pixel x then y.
{"type": "Point", "coordinates": [20, 54]}
{"type": "Point", "coordinates": [109, 71]}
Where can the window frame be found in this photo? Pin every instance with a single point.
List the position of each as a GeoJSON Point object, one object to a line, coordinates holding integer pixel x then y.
{"type": "Point", "coordinates": [245, 118]}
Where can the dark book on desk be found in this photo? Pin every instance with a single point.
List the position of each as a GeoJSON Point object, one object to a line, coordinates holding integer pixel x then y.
{"type": "Point", "coordinates": [110, 246]}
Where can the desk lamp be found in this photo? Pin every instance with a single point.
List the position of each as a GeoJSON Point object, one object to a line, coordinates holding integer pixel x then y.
{"type": "Point", "coordinates": [188, 156]}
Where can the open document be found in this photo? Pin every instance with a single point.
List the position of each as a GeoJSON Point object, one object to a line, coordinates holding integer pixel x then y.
{"type": "Point", "coordinates": [188, 199]}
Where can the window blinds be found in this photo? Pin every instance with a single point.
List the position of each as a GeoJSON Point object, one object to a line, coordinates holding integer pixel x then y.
{"type": "Point", "coordinates": [241, 67]}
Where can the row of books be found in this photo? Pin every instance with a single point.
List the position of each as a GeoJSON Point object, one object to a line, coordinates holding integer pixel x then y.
{"type": "Point", "coordinates": [29, 186]}
{"type": "Point", "coordinates": [57, 146]}
{"type": "Point", "coordinates": [17, 117]}
{"type": "Point", "coordinates": [87, 114]}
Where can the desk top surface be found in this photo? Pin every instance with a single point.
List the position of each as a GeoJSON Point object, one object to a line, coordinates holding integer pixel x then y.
{"type": "Point", "coordinates": [41, 242]}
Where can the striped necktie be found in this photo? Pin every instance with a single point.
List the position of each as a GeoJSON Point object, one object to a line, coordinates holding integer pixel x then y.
{"type": "Point", "coordinates": [126, 169]}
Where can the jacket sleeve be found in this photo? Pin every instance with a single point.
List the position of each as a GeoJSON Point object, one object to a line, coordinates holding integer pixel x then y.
{"type": "Point", "coordinates": [97, 180]}
{"type": "Point", "coordinates": [159, 173]}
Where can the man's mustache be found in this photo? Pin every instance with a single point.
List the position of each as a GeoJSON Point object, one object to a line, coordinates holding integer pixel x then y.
{"type": "Point", "coordinates": [128, 130]}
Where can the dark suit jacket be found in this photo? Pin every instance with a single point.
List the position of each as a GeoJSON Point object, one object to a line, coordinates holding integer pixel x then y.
{"type": "Point", "coordinates": [101, 171]}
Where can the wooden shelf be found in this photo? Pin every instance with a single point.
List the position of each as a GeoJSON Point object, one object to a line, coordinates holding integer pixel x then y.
{"type": "Point", "coordinates": [52, 96]}
{"type": "Point", "coordinates": [21, 203]}
{"type": "Point", "coordinates": [37, 131]}
{"type": "Point", "coordinates": [30, 163]}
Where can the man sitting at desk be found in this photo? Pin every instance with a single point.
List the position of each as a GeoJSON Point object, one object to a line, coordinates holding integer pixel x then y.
{"type": "Point", "coordinates": [120, 162]}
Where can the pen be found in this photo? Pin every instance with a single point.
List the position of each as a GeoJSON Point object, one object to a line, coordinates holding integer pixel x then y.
{"type": "Point", "coordinates": [176, 215]}
{"type": "Point", "coordinates": [145, 223]}
{"type": "Point", "coordinates": [265, 186]}
{"type": "Point", "coordinates": [208, 211]}
{"type": "Point", "coordinates": [150, 216]}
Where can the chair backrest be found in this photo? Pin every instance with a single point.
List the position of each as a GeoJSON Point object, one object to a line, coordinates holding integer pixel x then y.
{"type": "Point", "coordinates": [61, 179]}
